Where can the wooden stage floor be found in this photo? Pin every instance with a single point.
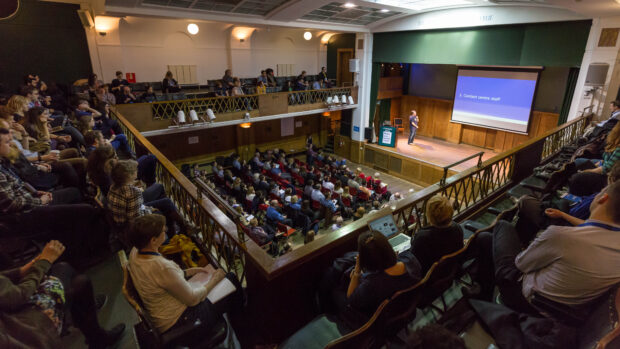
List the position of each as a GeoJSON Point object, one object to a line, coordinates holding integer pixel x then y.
{"type": "Point", "coordinates": [437, 152]}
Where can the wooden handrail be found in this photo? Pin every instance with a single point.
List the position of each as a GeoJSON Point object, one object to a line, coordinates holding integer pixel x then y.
{"type": "Point", "coordinates": [272, 267]}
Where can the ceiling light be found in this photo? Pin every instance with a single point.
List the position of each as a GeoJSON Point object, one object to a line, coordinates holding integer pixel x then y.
{"type": "Point", "coordinates": [421, 5]}
{"type": "Point", "coordinates": [307, 35]}
{"type": "Point", "coordinates": [384, 10]}
{"type": "Point", "coordinates": [349, 5]}
{"type": "Point", "coordinates": [192, 28]}
{"type": "Point", "coordinates": [246, 125]}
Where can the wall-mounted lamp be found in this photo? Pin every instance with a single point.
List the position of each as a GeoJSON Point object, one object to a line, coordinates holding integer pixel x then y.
{"type": "Point", "coordinates": [102, 33]}
{"type": "Point", "coordinates": [307, 35]}
{"type": "Point", "coordinates": [326, 113]}
{"type": "Point", "coordinates": [192, 28]}
{"type": "Point", "coordinates": [242, 33]}
{"type": "Point", "coordinates": [245, 125]}
{"type": "Point", "coordinates": [103, 24]}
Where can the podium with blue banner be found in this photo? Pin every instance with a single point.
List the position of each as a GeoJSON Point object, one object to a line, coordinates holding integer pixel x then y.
{"type": "Point", "coordinates": [387, 136]}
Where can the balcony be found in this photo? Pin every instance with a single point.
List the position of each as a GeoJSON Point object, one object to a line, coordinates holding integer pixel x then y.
{"type": "Point", "coordinates": [159, 118]}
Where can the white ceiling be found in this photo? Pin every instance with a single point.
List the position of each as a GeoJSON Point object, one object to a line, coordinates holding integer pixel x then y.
{"type": "Point", "coordinates": [332, 14]}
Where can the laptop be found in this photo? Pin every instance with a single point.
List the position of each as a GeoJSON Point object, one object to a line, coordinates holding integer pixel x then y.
{"type": "Point", "coordinates": [386, 226]}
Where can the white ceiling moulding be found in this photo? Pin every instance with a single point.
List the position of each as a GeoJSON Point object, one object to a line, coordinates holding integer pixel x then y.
{"type": "Point", "coordinates": [153, 11]}
{"type": "Point", "coordinates": [477, 16]}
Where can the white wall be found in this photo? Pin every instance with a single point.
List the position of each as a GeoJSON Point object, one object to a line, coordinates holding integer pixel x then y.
{"type": "Point", "coordinates": [601, 97]}
{"type": "Point", "coordinates": [145, 46]}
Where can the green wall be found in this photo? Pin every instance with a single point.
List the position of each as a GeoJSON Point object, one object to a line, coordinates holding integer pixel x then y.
{"type": "Point", "coordinates": [546, 44]}
{"type": "Point", "coordinates": [44, 38]}
{"type": "Point", "coordinates": [335, 42]}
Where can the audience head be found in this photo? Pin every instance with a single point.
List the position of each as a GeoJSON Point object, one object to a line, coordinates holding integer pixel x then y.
{"type": "Point", "coordinates": [119, 74]}
{"type": "Point", "coordinates": [148, 231]}
{"type": "Point", "coordinates": [273, 203]}
{"type": "Point", "coordinates": [168, 74]}
{"type": "Point", "coordinates": [294, 199]}
{"type": "Point", "coordinates": [126, 90]}
{"type": "Point", "coordinates": [339, 220]}
{"type": "Point", "coordinates": [17, 104]}
{"type": "Point", "coordinates": [613, 139]}
{"type": "Point", "coordinates": [37, 116]}
{"type": "Point", "coordinates": [605, 204]}
{"type": "Point", "coordinates": [263, 73]}
{"type": "Point", "coordinates": [434, 336]}
{"type": "Point", "coordinates": [228, 72]}
{"type": "Point", "coordinates": [615, 105]}
{"type": "Point", "coordinates": [375, 252]}
{"type": "Point", "coordinates": [124, 172]}
{"type": "Point", "coordinates": [94, 138]}
{"type": "Point", "coordinates": [30, 92]}
{"type": "Point", "coordinates": [317, 187]}
{"type": "Point", "coordinates": [254, 222]}
{"type": "Point", "coordinates": [439, 211]}
{"type": "Point", "coordinates": [323, 69]}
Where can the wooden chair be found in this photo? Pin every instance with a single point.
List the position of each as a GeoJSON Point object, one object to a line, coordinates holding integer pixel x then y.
{"type": "Point", "coordinates": [188, 335]}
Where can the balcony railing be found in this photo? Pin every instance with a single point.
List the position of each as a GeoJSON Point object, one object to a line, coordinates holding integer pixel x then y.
{"type": "Point", "coordinates": [469, 189]}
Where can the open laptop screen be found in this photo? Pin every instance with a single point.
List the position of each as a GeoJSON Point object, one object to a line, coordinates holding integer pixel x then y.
{"type": "Point", "coordinates": [385, 225]}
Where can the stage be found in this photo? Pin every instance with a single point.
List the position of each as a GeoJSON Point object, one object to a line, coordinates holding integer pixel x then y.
{"type": "Point", "coordinates": [423, 161]}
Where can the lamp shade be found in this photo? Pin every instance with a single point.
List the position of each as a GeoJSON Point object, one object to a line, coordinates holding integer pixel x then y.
{"type": "Point", "coordinates": [329, 100]}
{"type": "Point", "coordinates": [181, 116]}
{"type": "Point", "coordinates": [351, 100]}
{"type": "Point", "coordinates": [210, 114]}
{"type": "Point", "coordinates": [335, 100]}
{"type": "Point", "coordinates": [192, 115]}
{"type": "Point", "coordinates": [343, 99]}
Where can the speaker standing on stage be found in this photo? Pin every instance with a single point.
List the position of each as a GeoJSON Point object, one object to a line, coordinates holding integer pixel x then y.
{"type": "Point", "coordinates": [413, 125]}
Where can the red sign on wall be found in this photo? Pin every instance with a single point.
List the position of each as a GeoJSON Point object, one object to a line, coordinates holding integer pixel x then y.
{"type": "Point", "coordinates": [131, 77]}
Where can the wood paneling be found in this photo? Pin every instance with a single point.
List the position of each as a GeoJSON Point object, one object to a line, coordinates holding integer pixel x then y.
{"type": "Point", "coordinates": [273, 104]}
{"type": "Point", "coordinates": [390, 87]}
{"type": "Point", "coordinates": [435, 122]}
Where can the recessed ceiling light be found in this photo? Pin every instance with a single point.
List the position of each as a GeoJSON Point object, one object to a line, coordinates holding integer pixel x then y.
{"type": "Point", "coordinates": [384, 10]}
{"type": "Point", "coordinates": [192, 28]}
{"type": "Point", "coordinates": [349, 5]}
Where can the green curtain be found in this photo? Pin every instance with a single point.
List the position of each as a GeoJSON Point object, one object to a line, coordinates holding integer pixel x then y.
{"type": "Point", "coordinates": [384, 111]}
{"type": "Point", "coordinates": [571, 82]}
{"type": "Point", "coordinates": [374, 90]}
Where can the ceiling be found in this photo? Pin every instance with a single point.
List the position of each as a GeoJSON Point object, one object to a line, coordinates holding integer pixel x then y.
{"type": "Point", "coordinates": [331, 14]}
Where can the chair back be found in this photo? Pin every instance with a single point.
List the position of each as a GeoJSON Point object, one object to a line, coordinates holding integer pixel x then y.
{"type": "Point", "coordinates": [441, 277]}
{"type": "Point", "coordinates": [391, 316]}
{"type": "Point", "coordinates": [133, 298]}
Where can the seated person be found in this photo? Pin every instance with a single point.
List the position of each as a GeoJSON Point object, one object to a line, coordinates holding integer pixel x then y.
{"type": "Point", "coordinates": [44, 215]}
{"type": "Point", "coordinates": [149, 95]}
{"type": "Point", "coordinates": [118, 142]}
{"type": "Point", "coordinates": [275, 216]}
{"type": "Point", "coordinates": [329, 203]}
{"type": "Point", "coordinates": [105, 123]}
{"type": "Point", "coordinates": [327, 184]}
{"type": "Point", "coordinates": [316, 194]}
{"type": "Point", "coordinates": [377, 274]}
{"type": "Point", "coordinates": [568, 265]}
{"type": "Point", "coordinates": [126, 201]}
{"type": "Point", "coordinates": [34, 298]}
{"type": "Point", "coordinates": [104, 95]}
{"type": "Point", "coordinates": [442, 237]}
{"type": "Point", "coordinates": [258, 234]}
{"type": "Point", "coordinates": [593, 178]}
{"type": "Point", "coordinates": [125, 96]}
{"type": "Point", "coordinates": [118, 83]}
{"type": "Point", "coordinates": [169, 298]}
{"type": "Point", "coordinates": [169, 84]}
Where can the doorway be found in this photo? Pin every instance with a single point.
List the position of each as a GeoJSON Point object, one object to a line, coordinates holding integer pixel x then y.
{"type": "Point", "coordinates": [343, 76]}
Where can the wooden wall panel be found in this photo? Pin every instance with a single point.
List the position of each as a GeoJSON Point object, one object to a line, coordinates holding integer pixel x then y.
{"type": "Point", "coordinates": [435, 122]}
{"type": "Point", "coordinates": [390, 87]}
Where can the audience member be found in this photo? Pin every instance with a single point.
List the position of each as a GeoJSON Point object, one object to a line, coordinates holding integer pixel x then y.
{"type": "Point", "coordinates": [271, 80]}
{"type": "Point", "coordinates": [125, 97]}
{"type": "Point", "coordinates": [442, 237]}
{"type": "Point", "coordinates": [169, 84]}
{"type": "Point", "coordinates": [104, 95]}
{"type": "Point", "coordinates": [228, 80]}
{"type": "Point", "coordinates": [118, 83]}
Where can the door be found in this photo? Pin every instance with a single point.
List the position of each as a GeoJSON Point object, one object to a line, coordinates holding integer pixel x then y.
{"type": "Point", "coordinates": [344, 77]}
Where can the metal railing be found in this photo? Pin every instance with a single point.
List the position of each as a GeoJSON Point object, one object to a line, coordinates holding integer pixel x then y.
{"type": "Point", "coordinates": [442, 181]}
{"type": "Point", "coordinates": [220, 236]}
{"type": "Point", "coordinates": [219, 105]}
{"type": "Point", "coordinates": [317, 96]}
{"type": "Point", "coordinates": [232, 104]}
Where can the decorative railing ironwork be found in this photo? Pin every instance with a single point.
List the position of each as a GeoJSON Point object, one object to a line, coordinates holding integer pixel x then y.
{"type": "Point", "coordinates": [232, 104]}
{"type": "Point", "coordinates": [318, 96]}
{"type": "Point", "coordinates": [219, 105]}
{"type": "Point", "coordinates": [565, 136]}
{"type": "Point", "coordinates": [218, 235]}
{"type": "Point", "coordinates": [468, 189]}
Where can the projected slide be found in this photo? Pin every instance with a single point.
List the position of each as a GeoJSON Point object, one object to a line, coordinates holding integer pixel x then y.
{"type": "Point", "coordinates": [494, 99]}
